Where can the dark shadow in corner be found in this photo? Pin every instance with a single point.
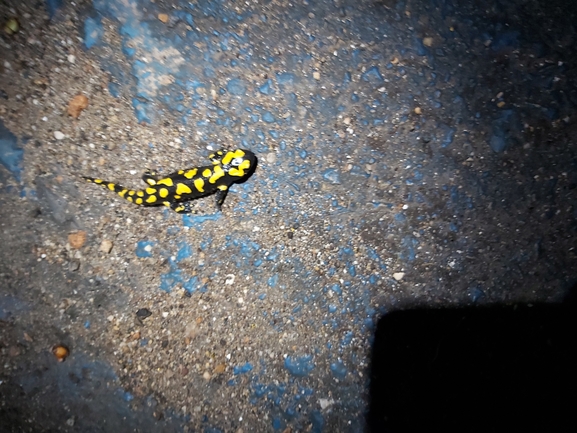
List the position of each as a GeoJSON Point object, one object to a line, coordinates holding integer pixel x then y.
{"type": "Point", "coordinates": [494, 369]}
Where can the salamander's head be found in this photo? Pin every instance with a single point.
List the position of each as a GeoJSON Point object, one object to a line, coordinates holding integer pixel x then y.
{"type": "Point", "coordinates": [239, 163]}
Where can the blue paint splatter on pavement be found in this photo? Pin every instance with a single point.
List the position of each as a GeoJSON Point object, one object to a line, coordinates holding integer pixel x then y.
{"type": "Point", "coordinates": [338, 369]}
{"type": "Point", "coordinates": [10, 154]}
{"type": "Point", "coordinates": [93, 31]}
{"type": "Point", "coordinates": [299, 366]}
{"type": "Point", "coordinates": [242, 369]}
{"type": "Point", "coordinates": [144, 249]}
{"type": "Point", "coordinates": [236, 87]}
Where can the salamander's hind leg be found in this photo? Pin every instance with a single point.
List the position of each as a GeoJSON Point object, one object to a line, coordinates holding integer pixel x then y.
{"type": "Point", "coordinates": [220, 196]}
{"type": "Point", "coordinates": [186, 207]}
{"type": "Point", "coordinates": [150, 177]}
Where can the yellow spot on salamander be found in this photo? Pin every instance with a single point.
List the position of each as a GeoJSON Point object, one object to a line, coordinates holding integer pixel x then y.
{"type": "Point", "coordinates": [180, 171]}
{"type": "Point", "coordinates": [151, 199]}
{"type": "Point", "coordinates": [181, 188]}
{"type": "Point", "coordinates": [163, 192]}
{"type": "Point", "coordinates": [140, 193]}
{"type": "Point", "coordinates": [150, 191]}
{"type": "Point", "coordinates": [239, 172]}
{"type": "Point", "coordinates": [166, 181]}
{"type": "Point", "coordinates": [218, 173]}
{"type": "Point", "coordinates": [199, 185]}
{"type": "Point", "coordinates": [121, 193]}
{"type": "Point", "coordinates": [179, 209]}
{"type": "Point", "coordinates": [207, 172]}
{"type": "Point", "coordinates": [97, 181]}
{"type": "Point", "coordinates": [191, 173]}
{"type": "Point", "coordinates": [227, 158]}
{"type": "Point", "coordinates": [111, 186]}
{"type": "Point", "coordinates": [129, 199]}
{"type": "Point", "coordinates": [222, 187]}
{"type": "Point", "coordinates": [166, 203]}
{"type": "Point", "coordinates": [131, 192]}
{"type": "Point", "coordinates": [138, 201]}
{"type": "Point", "coordinates": [245, 165]}
{"type": "Point", "coordinates": [177, 197]}
{"type": "Point", "coordinates": [238, 153]}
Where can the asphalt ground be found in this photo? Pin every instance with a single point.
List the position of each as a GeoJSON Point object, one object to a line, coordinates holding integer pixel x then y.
{"type": "Point", "coordinates": [415, 154]}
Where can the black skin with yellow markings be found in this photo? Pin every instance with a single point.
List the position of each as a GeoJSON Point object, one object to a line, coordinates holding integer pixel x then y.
{"type": "Point", "coordinates": [178, 189]}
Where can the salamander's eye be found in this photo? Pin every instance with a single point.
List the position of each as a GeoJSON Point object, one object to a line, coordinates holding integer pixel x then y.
{"type": "Point", "coordinates": [236, 162]}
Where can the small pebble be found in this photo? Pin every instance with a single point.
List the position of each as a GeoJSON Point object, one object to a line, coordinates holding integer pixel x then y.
{"type": "Point", "coordinates": [163, 18]}
{"type": "Point", "coordinates": [271, 157]}
{"type": "Point", "coordinates": [60, 352]}
{"type": "Point", "coordinates": [206, 375]}
{"type": "Point", "coordinates": [71, 58]}
{"type": "Point", "coordinates": [143, 313]}
{"type": "Point", "coordinates": [106, 246]}
{"type": "Point", "coordinates": [58, 135]}
{"type": "Point", "coordinates": [77, 239]}
{"type": "Point", "coordinates": [12, 26]}
{"type": "Point", "coordinates": [428, 41]}
{"type": "Point", "coordinates": [398, 276]}
{"type": "Point", "coordinates": [418, 110]}
{"type": "Point", "coordinates": [317, 75]}
{"type": "Point", "coordinates": [77, 104]}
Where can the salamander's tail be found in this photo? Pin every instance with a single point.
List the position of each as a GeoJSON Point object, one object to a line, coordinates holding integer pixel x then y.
{"type": "Point", "coordinates": [129, 194]}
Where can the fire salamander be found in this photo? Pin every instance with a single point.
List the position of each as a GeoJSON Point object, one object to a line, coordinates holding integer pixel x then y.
{"type": "Point", "coordinates": [178, 189]}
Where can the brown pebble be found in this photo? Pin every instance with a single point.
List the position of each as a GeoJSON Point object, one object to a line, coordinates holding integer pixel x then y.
{"type": "Point", "coordinates": [60, 352]}
{"type": "Point", "coordinates": [77, 104]}
{"type": "Point", "coordinates": [77, 239]}
{"type": "Point", "coordinates": [163, 18]}
{"type": "Point", "coordinates": [418, 110]}
{"type": "Point", "coordinates": [183, 370]}
{"type": "Point", "coordinates": [428, 41]}
{"type": "Point", "coordinates": [219, 369]}
{"type": "Point", "coordinates": [14, 351]}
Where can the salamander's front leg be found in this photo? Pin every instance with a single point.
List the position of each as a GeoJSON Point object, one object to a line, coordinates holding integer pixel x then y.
{"type": "Point", "coordinates": [216, 157]}
{"type": "Point", "coordinates": [149, 177]}
{"type": "Point", "coordinates": [185, 207]}
{"type": "Point", "coordinates": [220, 196]}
